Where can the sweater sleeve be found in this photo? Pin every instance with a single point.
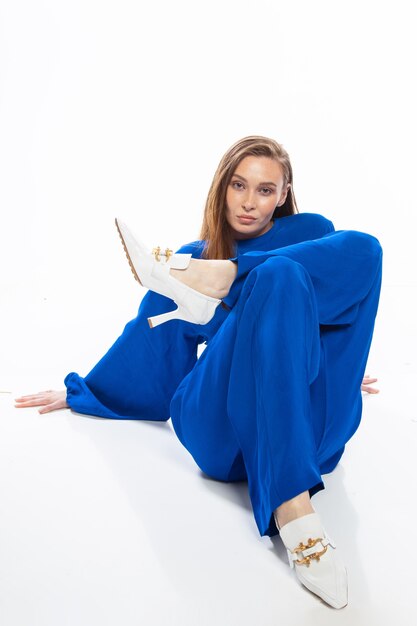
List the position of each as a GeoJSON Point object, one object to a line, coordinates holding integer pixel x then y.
{"type": "Point", "coordinates": [139, 374]}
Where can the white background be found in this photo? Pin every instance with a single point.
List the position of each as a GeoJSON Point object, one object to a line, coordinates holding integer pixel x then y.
{"type": "Point", "coordinates": [124, 108]}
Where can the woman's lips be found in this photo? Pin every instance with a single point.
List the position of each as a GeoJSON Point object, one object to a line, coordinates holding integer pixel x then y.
{"type": "Point", "coordinates": [245, 219]}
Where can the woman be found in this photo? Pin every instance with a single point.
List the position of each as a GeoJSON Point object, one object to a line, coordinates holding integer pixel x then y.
{"type": "Point", "coordinates": [276, 394]}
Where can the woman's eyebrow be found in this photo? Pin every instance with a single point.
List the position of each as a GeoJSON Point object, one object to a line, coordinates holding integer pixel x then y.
{"type": "Point", "coordinates": [264, 183]}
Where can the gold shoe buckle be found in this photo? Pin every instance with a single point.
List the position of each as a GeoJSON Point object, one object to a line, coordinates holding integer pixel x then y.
{"type": "Point", "coordinates": [157, 252]}
{"type": "Point", "coordinates": [308, 557]}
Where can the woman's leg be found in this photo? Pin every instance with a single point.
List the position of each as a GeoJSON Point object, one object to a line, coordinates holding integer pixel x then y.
{"type": "Point", "coordinates": [347, 261]}
{"type": "Point", "coordinates": [341, 265]}
{"type": "Point", "coordinates": [249, 393]}
{"type": "Point", "coordinates": [258, 401]}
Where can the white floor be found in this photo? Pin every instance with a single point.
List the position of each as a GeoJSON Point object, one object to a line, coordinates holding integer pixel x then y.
{"type": "Point", "coordinates": [108, 522]}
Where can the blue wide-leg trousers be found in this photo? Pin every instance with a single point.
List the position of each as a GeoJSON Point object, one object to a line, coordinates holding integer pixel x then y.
{"type": "Point", "coordinates": [276, 395]}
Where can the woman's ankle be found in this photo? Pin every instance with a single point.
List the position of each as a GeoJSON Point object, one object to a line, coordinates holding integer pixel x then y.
{"type": "Point", "coordinates": [293, 509]}
{"type": "Point", "coordinates": [212, 277]}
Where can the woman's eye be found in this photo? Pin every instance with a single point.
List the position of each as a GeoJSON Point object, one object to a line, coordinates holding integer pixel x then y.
{"type": "Point", "coordinates": [265, 190]}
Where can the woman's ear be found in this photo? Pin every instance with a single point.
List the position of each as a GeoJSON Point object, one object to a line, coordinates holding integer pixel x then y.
{"type": "Point", "coordinates": [284, 194]}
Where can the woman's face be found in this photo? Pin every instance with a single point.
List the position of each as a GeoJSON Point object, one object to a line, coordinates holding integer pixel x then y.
{"type": "Point", "coordinates": [254, 191]}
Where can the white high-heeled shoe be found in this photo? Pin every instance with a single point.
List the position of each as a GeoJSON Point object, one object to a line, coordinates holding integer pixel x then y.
{"type": "Point", "coordinates": [151, 269]}
{"type": "Point", "coordinates": [313, 555]}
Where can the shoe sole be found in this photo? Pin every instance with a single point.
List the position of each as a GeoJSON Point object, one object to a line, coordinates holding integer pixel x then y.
{"type": "Point", "coordinates": [132, 267]}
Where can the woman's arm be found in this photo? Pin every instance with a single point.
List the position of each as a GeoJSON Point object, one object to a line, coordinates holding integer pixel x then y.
{"type": "Point", "coordinates": [138, 375]}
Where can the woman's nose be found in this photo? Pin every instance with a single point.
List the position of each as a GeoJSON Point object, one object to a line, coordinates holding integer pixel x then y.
{"type": "Point", "coordinates": [249, 201]}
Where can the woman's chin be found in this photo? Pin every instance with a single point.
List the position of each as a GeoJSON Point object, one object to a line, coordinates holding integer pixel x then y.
{"type": "Point", "coordinates": [246, 231]}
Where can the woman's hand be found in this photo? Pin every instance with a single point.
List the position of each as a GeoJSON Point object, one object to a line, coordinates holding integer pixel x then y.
{"type": "Point", "coordinates": [48, 400]}
{"type": "Point", "coordinates": [365, 384]}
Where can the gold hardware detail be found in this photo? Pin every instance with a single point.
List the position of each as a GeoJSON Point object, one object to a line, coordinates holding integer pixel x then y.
{"type": "Point", "coordinates": [310, 544]}
{"type": "Point", "coordinates": [157, 252]}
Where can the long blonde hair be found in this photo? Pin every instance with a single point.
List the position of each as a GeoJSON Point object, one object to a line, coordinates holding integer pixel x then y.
{"type": "Point", "coordinates": [215, 230]}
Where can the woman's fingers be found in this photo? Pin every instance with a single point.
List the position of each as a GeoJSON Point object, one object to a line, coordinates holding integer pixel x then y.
{"type": "Point", "coordinates": [365, 384]}
{"type": "Point", "coordinates": [52, 407]}
{"type": "Point", "coordinates": [369, 378]}
{"type": "Point", "coordinates": [50, 399]}
{"type": "Point", "coordinates": [34, 400]}
{"type": "Point", "coordinates": [369, 389]}
{"type": "Point", "coordinates": [33, 396]}
{"type": "Point", "coordinates": [25, 398]}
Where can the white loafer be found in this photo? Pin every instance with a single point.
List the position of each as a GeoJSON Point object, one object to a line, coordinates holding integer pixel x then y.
{"type": "Point", "coordinates": [313, 555]}
{"type": "Point", "coordinates": [151, 269]}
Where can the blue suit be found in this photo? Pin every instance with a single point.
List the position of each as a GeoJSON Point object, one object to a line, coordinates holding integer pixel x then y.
{"type": "Point", "coordinates": [275, 395]}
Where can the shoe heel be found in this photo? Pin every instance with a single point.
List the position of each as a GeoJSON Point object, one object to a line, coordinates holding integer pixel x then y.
{"type": "Point", "coordinates": [177, 314]}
